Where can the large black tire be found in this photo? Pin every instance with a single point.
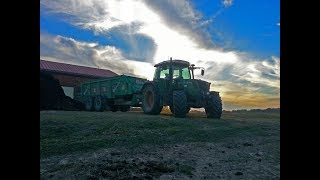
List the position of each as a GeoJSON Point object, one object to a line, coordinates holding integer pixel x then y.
{"type": "Point", "coordinates": [172, 110]}
{"type": "Point", "coordinates": [214, 106]}
{"type": "Point", "coordinates": [179, 102]}
{"type": "Point", "coordinates": [124, 108]}
{"type": "Point", "coordinates": [89, 104]}
{"type": "Point", "coordinates": [151, 100]}
{"type": "Point", "coordinates": [99, 104]}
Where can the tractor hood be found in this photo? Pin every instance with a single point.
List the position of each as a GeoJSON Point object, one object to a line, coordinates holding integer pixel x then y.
{"type": "Point", "coordinates": [203, 85]}
{"type": "Point", "coordinates": [192, 85]}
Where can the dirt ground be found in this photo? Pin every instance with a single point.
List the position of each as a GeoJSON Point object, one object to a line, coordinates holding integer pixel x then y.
{"type": "Point", "coordinates": [251, 154]}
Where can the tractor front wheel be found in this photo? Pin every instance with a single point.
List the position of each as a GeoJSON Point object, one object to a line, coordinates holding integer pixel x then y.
{"type": "Point", "coordinates": [179, 102]}
{"type": "Point", "coordinates": [214, 106]}
{"type": "Point", "coordinates": [172, 110]}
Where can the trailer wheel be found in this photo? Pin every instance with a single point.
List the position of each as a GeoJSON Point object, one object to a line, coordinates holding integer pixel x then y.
{"type": "Point", "coordinates": [89, 104]}
{"type": "Point", "coordinates": [179, 101]}
{"type": "Point", "coordinates": [151, 100]}
{"type": "Point", "coordinates": [124, 108]}
{"type": "Point", "coordinates": [114, 108]}
{"type": "Point", "coordinates": [99, 103]}
{"type": "Point", "coordinates": [214, 106]}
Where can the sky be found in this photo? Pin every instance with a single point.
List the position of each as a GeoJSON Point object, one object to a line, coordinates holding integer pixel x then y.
{"type": "Point", "coordinates": [236, 41]}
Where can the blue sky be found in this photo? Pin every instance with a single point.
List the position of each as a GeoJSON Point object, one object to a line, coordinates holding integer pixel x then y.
{"type": "Point", "coordinates": [251, 26]}
{"type": "Point", "coordinates": [237, 41]}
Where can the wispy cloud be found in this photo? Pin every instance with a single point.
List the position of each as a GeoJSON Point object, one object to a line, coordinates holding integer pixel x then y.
{"type": "Point", "coordinates": [183, 18]}
{"type": "Point", "coordinates": [264, 72]}
{"type": "Point", "coordinates": [63, 49]}
{"type": "Point", "coordinates": [227, 3]}
{"type": "Point", "coordinates": [82, 53]}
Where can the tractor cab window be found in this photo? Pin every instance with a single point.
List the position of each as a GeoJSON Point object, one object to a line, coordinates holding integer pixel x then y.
{"type": "Point", "coordinates": [181, 72]}
{"type": "Point", "coordinates": [163, 72]}
{"type": "Point", "coordinates": [185, 73]}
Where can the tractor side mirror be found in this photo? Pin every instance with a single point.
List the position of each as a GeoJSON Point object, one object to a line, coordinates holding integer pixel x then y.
{"type": "Point", "coordinates": [202, 72]}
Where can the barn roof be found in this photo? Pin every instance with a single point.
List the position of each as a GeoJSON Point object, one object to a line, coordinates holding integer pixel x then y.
{"type": "Point", "coordinates": [74, 69]}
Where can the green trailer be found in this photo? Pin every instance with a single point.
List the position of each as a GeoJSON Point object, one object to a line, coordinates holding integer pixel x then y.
{"type": "Point", "coordinates": [114, 93]}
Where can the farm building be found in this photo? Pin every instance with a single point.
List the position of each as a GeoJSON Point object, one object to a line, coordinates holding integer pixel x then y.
{"type": "Point", "coordinates": [71, 76]}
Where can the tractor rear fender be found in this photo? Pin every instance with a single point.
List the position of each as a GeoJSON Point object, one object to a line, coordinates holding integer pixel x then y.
{"type": "Point", "coordinates": [151, 83]}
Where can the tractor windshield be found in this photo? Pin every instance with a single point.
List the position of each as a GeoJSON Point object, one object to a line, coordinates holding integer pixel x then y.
{"type": "Point", "coordinates": [181, 72]}
{"type": "Point", "coordinates": [162, 72]}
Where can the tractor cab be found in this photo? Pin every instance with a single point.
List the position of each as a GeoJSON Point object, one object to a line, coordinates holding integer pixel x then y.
{"type": "Point", "coordinates": [173, 69]}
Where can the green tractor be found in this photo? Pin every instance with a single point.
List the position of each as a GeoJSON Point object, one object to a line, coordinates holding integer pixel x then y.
{"type": "Point", "coordinates": [174, 85]}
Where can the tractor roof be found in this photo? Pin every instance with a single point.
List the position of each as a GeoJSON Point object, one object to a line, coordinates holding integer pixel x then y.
{"type": "Point", "coordinates": [175, 62]}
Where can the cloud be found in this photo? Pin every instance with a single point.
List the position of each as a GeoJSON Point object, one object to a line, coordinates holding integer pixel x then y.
{"type": "Point", "coordinates": [278, 24]}
{"type": "Point", "coordinates": [265, 72]}
{"type": "Point", "coordinates": [136, 46]}
{"type": "Point", "coordinates": [183, 18]}
{"type": "Point", "coordinates": [64, 49]}
{"type": "Point", "coordinates": [249, 83]}
{"type": "Point", "coordinates": [171, 24]}
{"type": "Point", "coordinates": [227, 3]}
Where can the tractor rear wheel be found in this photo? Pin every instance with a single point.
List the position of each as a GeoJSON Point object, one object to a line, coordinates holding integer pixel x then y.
{"type": "Point", "coordinates": [214, 106]}
{"type": "Point", "coordinates": [151, 100]}
{"type": "Point", "coordinates": [89, 104]}
{"type": "Point", "coordinates": [179, 102]}
{"type": "Point", "coordinates": [99, 103]}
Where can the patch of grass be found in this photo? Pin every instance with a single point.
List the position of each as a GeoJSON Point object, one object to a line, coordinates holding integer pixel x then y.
{"type": "Point", "coordinates": [66, 132]}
